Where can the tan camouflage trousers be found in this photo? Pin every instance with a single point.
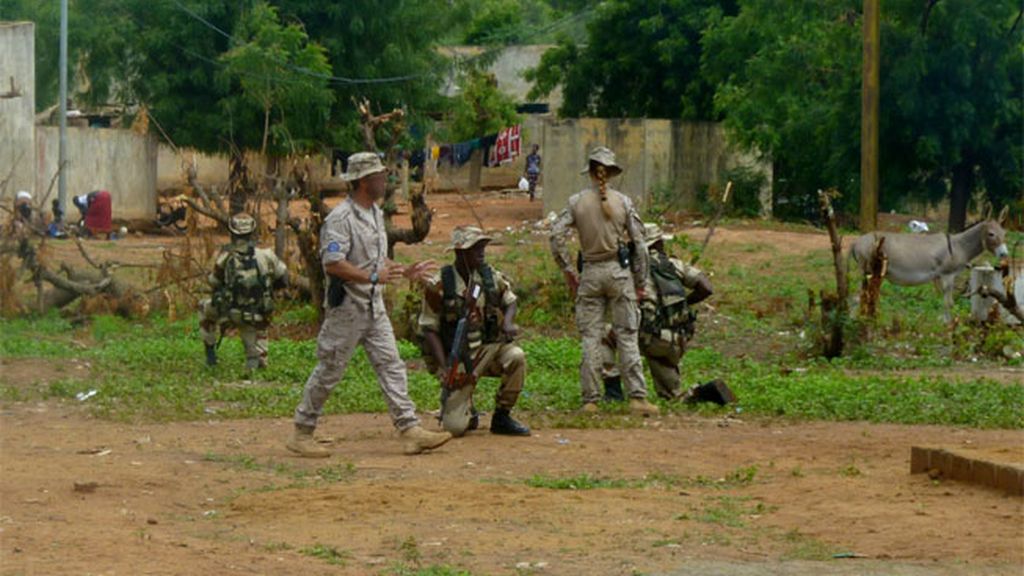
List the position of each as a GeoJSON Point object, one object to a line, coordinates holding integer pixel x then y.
{"type": "Point", "coordinates": [253, 336]}
{"type": "Point", "coordinates": [663, 359]}
{"type": "Point", "coordinates": [607, 286]}
{"type": "Point", "coordinates": [506, 361]}
{"type": "Point", "coordinates": [344, 328]}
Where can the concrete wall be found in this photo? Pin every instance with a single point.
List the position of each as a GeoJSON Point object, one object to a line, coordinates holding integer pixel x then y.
{"type": "Point", "coordinates": [17, 106]}
{"type": "Point", "coordinates": [120, 161]}
{"type": "Point", "coordinates": [215, 169]}
{"type": "Point", "coordinates": [669, 159]}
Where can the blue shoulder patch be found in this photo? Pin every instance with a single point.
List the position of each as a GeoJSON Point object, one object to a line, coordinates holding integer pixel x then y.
{"type": "Point", "coordinates": [333, 247]}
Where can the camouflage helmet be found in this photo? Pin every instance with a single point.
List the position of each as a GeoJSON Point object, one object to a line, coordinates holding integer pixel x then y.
{"type": "Point", "coordinates": [241, 224]}
{"type": "Point", "coordinates": [604, 156]}
{"type": "Point", "coordinates": [653, 234]}
{"type": "Point", "coordinates": [465, 237]}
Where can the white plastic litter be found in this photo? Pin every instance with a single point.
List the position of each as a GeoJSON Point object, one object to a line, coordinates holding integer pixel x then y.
{"type": "Point", "coordinates": [83, 396]}
{"type": "Point", "coordinates": [917, 226]}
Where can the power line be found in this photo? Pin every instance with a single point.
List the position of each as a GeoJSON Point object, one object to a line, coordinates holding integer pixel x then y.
{"type": "Point", "coordinates": [299, 69]}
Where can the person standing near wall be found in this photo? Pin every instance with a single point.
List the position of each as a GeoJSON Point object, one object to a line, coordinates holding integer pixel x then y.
{"type": "Point", "coordinates": [612, 274]}
{"type": "Point", "coordinates": [353, 249]}
{"type": "Point", "coordinates": [533, 169]}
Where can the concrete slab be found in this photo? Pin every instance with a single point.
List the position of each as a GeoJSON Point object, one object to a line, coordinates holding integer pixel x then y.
{"type": "Point", "coordinates": [1001, 468]}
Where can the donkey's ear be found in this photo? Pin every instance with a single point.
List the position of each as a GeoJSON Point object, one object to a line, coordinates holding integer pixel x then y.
{"type": "Point", "coordinates": [988, 211]}
{"type": "Point", "coordinates": [1003, 214]}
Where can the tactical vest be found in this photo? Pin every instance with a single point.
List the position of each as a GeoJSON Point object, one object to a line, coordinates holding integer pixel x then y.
{"type": "Point", "coordinates": [671, 313]}
{"type": "Point", "coordinates": [245, 293]}
{"type": "Point", "coordinates": [454, 307]}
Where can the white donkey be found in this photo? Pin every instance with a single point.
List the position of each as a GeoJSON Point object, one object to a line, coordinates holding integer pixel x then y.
{"type": "Point", "coordinates": [916, 258]}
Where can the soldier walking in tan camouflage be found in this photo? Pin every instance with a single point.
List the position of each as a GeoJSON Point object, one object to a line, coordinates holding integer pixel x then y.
{"type": "Point", "coordinates": [611, 276]}
{"type": "Point", "coordinates": [353, 248]}
{"type": "Point", "coordinates": [473, 294]}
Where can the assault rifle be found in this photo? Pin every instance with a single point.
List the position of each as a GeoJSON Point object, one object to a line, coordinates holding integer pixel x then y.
{"type": "Point", "coordinates": [452, 379]}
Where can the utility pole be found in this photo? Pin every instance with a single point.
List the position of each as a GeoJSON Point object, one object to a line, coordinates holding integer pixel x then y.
{"type": "Point", "coordinates": [62, 157]}
{"type": "Point", "coordinates": [869, 118]}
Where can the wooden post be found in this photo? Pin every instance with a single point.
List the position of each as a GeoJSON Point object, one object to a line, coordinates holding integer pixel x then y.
{"type": "Point", "coordinates": [870, 84]}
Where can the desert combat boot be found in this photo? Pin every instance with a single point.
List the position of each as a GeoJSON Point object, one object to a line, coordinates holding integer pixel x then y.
{"type": "Point", "coordinates": [641, 407]}
{"type": "Point", "coordinates": [417, 440]}
{"type": "Point", "coordinates": [303, 443]}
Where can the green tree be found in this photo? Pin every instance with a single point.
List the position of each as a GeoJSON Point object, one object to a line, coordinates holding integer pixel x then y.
{"type": "Point", "coordinates": [479, 110]}
{"type": "Point", "coordinates": [640, 59]}
{"type": "Point", "coordinates": [95, 49]}
{"type": "Point", "coordinates": [788, 77]}
{"type": "Point", "coordinates": [784, 73]}
{"type": "Point", "coordinates": [282, 77]}
{"type": "Point", "coordinates": [380, 50]}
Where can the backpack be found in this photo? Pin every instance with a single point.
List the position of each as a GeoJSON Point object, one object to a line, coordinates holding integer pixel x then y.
{"type": "Point", "coordinates": [245, 288]}
{"type": "Point", "coordinates": [672, 312]}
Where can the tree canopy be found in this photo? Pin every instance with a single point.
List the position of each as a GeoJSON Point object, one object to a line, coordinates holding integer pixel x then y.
{"type": "Point", "coordinates": [639, 59]}
{"type": "Point", "coordinates": [788, 78]}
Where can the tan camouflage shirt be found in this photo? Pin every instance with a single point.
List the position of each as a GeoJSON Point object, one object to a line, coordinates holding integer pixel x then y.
{"type": "Point", "coordinates": [599, 236]}
{"type": "Point", "coordinates": [430, 313]}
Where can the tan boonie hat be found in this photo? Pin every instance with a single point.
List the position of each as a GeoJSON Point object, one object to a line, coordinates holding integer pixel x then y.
{"type": "Point", "coordinates": [361, 165]}
{"type": "Point", "coordinates": [241, 224]}
{"type": "Point", "coordinates": [465, 237]}
{"type": "Point", "coordinates": [653, 233]}
{"type": "Point", "coordinates": [603, 155]}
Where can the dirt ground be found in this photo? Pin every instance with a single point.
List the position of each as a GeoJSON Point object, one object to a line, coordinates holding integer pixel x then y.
{"type": "Point", "coordinates": [710, 496]}
{"type": "Point", "coordinates": [224, 497]}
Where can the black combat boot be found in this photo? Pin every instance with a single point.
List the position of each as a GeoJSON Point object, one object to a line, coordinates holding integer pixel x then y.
{"type": "Point", "coordinates": [503, 423]}
{"type": "Point", "coordinates": [211, 355]}
{"type": "Point", "coordinates": [613, 389]}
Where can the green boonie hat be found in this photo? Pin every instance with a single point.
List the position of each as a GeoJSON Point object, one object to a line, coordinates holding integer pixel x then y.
{"type": "Point", "coordinates": [653, 233]}
{"type": "Point", "coordinates": [361, 165]}
{"type": "Point", "coordinates": [603, 155]}
{"type": "Point", "coordinates": [465, 237]}
{"type": "Point", "coordinates": [242, 224]}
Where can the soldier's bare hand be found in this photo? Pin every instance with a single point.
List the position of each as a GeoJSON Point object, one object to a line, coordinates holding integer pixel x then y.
{"type": "Point", "coordinates": [421, 271]}
{"type": "Point", "coordinates": [391, 273]}
{"type": "Point", "coordinates": [510, 330]}
{"type": "Point", "coordinates": [573, 280]}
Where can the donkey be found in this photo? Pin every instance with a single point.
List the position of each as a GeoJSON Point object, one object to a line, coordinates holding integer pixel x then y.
{"type": "Point", "coordinates": [915, 258]}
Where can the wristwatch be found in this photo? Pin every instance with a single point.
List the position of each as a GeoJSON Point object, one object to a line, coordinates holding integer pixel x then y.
{"type": "Point", "coordinates": [374, 278]}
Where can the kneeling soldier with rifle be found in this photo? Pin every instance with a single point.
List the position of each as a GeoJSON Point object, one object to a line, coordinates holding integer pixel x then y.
{"type": "Point", "coordinates": [468, 326]}
{"type": "Point", "coordinates": [667, 316]}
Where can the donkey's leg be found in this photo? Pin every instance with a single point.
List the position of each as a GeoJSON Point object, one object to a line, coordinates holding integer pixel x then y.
{"type": "Point", "coordinates": [945, 285]}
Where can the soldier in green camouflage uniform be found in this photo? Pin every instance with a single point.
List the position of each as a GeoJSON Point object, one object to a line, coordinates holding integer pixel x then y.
{"type": "Point", "coordinates": [612, 276]}
{"type": "Point", "coordinates": [667, 318]}
{"type": "Point", "coordinates": [243, 280]}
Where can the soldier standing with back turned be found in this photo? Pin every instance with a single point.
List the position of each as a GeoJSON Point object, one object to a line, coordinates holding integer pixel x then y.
{"type": "Point", "coordinates": [612, 275]}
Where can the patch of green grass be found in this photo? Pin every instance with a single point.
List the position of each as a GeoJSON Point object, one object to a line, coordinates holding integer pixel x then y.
{"type": "Point", "coordinates": [342, 472]}
{"type": "Point", "coordinates": [442, 570]}
{"type": "Point", "coordinates": [578, 482]}
{"type": "Point", "coordinates": [328, 554]}
{"type": "Point", "coordinates": [802, 547]}
{"type": "Point", "coordinates": [731, 511]}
